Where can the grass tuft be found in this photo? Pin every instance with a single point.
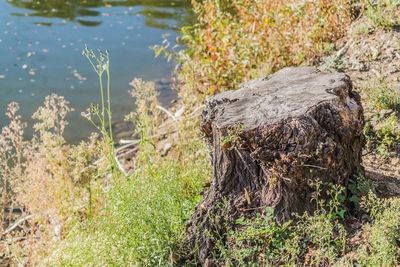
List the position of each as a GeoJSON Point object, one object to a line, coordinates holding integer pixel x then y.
{"type": "Point", "coordinates": [384, 13]}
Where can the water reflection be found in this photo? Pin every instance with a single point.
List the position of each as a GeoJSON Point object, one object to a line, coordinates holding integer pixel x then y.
{"type": "Point", "coordinates": [41, 43]}
{"type": "Point", "coordinates": [157, 13]}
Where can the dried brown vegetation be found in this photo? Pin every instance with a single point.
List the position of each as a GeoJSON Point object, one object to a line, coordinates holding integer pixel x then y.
{"type": "Point", "coordinates": [47, 180]}
{"type": "Point", "coordinates": [235, 41]}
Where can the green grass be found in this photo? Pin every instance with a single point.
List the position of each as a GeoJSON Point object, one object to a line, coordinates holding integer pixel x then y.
{"type": "Point", "coordinates": [382, 129]}
{"type": "Point", "coordinates": [254, 241]}
{"type": "Point", "coordinates": [321, 239]}
{"type": "Point", "coordinates": [384, 13]}
{"type": "Point", "coordinates": [143, 221]}
{"type": "Point", "coordinates": [308, 239]}
{"type": "Point", "coordinates": [381, 235]}
{"type": "Point", "coordinates": [384, 96]}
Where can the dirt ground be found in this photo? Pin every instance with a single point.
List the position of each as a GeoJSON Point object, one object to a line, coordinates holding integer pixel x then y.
{"type": "Point", "coordinates": [370, 55]}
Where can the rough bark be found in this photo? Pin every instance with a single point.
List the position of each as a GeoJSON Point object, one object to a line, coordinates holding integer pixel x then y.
{"type": "Point", "coordinates": [269, 140]}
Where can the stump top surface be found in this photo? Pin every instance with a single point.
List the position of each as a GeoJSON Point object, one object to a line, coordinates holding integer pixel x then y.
{"type": "Point", "coordinates": [288, 93]}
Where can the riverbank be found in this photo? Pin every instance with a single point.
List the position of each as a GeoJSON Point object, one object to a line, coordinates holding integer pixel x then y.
{"type": "Point", "coordinates": [107, 217]}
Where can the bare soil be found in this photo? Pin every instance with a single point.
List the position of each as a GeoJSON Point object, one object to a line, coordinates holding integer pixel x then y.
{"type": "Point", "coordinates": [370, 55]}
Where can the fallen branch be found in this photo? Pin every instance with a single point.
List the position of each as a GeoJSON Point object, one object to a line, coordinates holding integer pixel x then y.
{"type": "Point", "coordinates": [16, 224]}
{"type": "Point", "coordinates": [166, 111]}
{"type": "Point", "coordinates": [128, 152]}
{"type": "Point", "coordinates": [119, 165]}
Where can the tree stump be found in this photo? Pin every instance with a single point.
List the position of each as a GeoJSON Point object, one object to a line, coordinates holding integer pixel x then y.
{"type": "Point", "coordinates": [269, 140]}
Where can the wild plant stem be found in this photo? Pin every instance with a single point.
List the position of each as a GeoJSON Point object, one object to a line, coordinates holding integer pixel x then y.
{"type": "Point", "coordinates": [103, 65]}
{"type": "Point", "coordinates": [90, 199]}
{"type": "Point", "coordinates": [103, 123]}
{"type": "Point", "coordinates": [109, 99]}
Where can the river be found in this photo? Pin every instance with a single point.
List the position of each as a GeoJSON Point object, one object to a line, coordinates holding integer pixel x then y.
{"type": "Point", "coordinates": [41, 43]}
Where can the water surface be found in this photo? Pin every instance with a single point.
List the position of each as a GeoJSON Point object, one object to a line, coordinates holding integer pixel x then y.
{"type": "Point", "coordinates": [41, 43]}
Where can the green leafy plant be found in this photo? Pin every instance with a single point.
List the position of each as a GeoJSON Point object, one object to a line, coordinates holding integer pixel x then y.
{"type": "Point", "coordinates": [383, 96]}
{"type": "Point", "coordinates": [382, 129]}
{"type": "Point", "coordinates": [320, 238]}
{"type": "Point", "coordinates": [232, 136]}
{"type": "Point", "coordinates": [260, 239]}
{"type": "Point", "coordinates": [381, 247]}
{"type": "Point", "coordinates": [383, 135]}
{"type": "Point", "coordinates": [388, 132]}
{"type": "Point", "coordinates": [359, 188]}
{"type": "Point", "coordinates": [384, 13]}
{"type": "Point", "coordinates": [308, 239]}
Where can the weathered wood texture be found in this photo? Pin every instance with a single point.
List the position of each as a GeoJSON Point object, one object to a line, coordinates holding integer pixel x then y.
{"type": "Point", "coordinates": [269, 140]}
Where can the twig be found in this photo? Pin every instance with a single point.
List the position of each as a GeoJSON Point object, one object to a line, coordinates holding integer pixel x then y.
{"type": "Point", "coordinates": [127, 142]}
{"type": "Point", "coordinates": [191, 115]}
{"type": "Point", "coordinates": [314, 166]}
{"type": "Point", "coordinates": [368, 152]}
{"type": "Point", "coordinates": [16, 224]}
{"type": "Point", "coordinates": [256, 208]}
{"type": "Point", "coordinates": [134, 142]}
{"type": "Point", "coordinates": [128, 152]}
{"type": "Point", "coordinates": [195, 110]}
{"type": "Point", "coordinates": [167, 112]}
{"type": "Point", "coordinates": [119, 165]}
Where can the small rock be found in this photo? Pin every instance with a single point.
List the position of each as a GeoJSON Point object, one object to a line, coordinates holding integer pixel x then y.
{"type": "Point", "coordinates": [166, 148]}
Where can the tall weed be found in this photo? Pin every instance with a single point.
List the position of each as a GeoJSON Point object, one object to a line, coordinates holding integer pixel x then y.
{"type": "Point", "coordinates": [144, 219]}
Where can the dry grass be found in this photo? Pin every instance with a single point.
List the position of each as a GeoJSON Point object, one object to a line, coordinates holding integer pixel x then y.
{"type": "Point", "coordinates": [50, 182]}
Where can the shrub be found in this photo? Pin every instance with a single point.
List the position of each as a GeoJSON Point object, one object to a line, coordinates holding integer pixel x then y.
{"type": "Point", "coordinates": [317, 239]}
{"type": "Point", "coordinates": [44, 178]}
{"type": "Point", "coordinates": [236, 40]}
{"type": "Point", "coordinates": [383, 96]}
{"type": "Point", "coordinates": [258, 241]}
